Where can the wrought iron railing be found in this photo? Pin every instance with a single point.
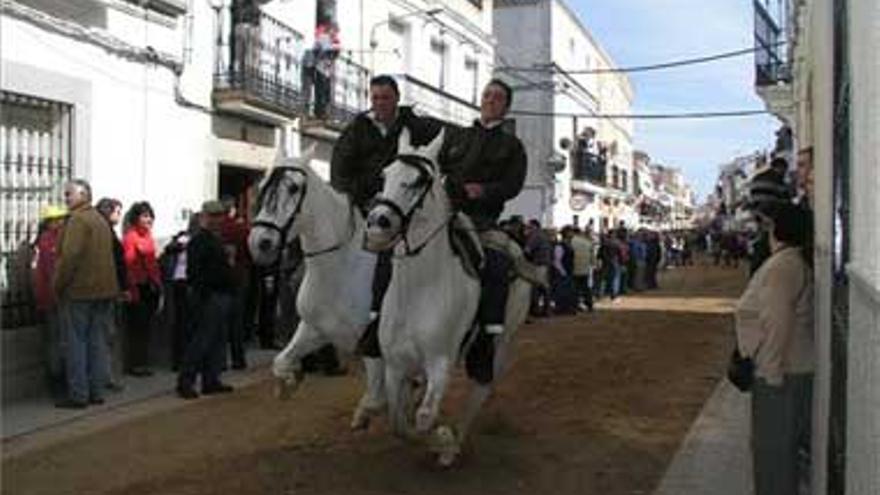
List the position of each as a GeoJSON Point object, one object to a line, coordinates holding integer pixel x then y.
{"type": "Point", "coordinates": [772, 65]}
{"type": "Point", "coordinates": [35, 150]}
{"type": "Point", "coordinates": [589, 167]}
{"type": "Point", "coordinates": [350, 86]}
{"type": "Point", "coordinates": [436, 102]}
{"type": "Point", "coordinates": [262, 60]}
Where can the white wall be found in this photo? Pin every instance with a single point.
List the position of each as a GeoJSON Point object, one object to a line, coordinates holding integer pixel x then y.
{"type": "Point", "coordinates": [536, 133]}
{"type": "Point", "coordinates": [141, 144]}
{"type": "Point", "coordinates": [863, 406]}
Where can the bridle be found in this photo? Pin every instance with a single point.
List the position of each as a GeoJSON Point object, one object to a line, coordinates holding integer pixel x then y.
{"type": "Point", "coordinates": [284, 229]}
{"type": "Point", "coordinates": [426, 168]}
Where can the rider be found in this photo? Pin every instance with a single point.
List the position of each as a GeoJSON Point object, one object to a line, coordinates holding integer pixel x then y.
{"type": "Point", "coordinates": [485, 167]}
{"type": "Point", "coordinates": [365, 148]}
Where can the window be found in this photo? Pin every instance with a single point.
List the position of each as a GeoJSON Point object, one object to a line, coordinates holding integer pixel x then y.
{"type": "Point", "coordinates": [438, 63]}
{"type": "Point", "coordinates": [471, 69]}
{"type": "Point", "coordinates": [623, 180]}
{"type": "Point", "coordinates": [35, 150]}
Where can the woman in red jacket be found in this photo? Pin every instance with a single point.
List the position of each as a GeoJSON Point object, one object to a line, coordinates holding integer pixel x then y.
{"type": "Point", "coordinates": [144, 285]}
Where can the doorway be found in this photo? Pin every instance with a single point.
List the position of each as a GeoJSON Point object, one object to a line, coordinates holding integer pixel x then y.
{"type": "Point", "coordinates": [240, 183]}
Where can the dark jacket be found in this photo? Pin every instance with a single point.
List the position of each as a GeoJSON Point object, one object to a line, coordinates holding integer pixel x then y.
{"type": "Point", "coordinates": [207, 265]}
{"type": "Point", "coordinates": [362, 152]}
{"type": "Point", "coordinates": [491, 157]}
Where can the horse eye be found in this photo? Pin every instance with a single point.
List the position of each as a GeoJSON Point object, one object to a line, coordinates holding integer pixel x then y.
{"type": "Point", "coordinates": [293, 189]}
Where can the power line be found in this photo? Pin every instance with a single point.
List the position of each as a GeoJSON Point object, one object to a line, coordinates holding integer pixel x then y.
{"type": "Point", "coordinates": [552, 68]}
{"type": "Point", "coordinates": [644, 116]}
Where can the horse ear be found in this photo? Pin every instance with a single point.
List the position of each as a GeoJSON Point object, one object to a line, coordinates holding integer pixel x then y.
{"type": "Point", "coordinates": [403, 142]}
{"type": "Point", "coordinates": [433, 148]}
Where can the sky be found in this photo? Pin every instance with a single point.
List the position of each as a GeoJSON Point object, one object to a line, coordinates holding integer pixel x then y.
{"type": "Point", "coordinates": [638, 32]}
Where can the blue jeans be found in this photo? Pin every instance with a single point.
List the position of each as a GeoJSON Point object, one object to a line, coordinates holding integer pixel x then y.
{"type": "Point", "coordinates": [85, 326]}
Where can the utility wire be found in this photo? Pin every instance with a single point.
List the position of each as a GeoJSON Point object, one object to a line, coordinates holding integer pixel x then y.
{"type": "Point", "coordinates": [552, 68]}
{"type": "Point", "coordinates": [644, 116]}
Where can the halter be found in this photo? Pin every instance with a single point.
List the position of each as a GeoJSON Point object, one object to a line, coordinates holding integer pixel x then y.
{"type": "Point", "coordinates": [282, 230]}
{"type": "Point", "coordinates": [425, 167]}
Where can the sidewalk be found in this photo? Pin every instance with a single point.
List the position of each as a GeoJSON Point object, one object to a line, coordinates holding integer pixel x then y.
{"type": "Point", "coordinates": [37, 415]}
{"type": "Point", "coordinates": [714, 458]}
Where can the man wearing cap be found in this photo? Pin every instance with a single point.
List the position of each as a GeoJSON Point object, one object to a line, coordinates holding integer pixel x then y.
{"type": "Point", "coordinates": [212, 286]}
{"type": "Point", "coordinates": [86, 286]}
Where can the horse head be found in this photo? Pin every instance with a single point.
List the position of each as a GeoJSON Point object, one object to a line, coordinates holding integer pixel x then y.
{"type": "Point", "coordinates": [278, 204]}
{"type": "Point", "coordinates": [408, 180]}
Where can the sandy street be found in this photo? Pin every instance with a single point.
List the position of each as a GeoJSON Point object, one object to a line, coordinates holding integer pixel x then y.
{"type": "Point", "coordinates": [595, 403]}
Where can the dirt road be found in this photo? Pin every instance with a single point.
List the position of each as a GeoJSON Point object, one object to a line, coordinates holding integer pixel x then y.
{"type": "Point", "coordinates": [595, 403]}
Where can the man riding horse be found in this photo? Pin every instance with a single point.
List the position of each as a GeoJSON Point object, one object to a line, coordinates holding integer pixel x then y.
{"type": "Point", "coordinates": [484, 165]}
{"type": "Point", "coordinates": [366, 147]}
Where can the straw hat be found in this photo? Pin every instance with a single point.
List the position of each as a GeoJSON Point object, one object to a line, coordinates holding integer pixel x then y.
{"type": "Point", "coordinates": [51, 212]}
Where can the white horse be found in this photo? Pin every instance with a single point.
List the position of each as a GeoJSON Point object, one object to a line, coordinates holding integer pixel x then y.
{"type": "Point", "coordinates": [431, 302]}
{"type": "Point", "coordinates": [336, 292]}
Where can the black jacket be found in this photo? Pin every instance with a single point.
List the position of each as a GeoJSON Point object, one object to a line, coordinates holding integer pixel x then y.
{"type": "Point", "coordinates": [491, 157]}
{"type": "Point", "coordinates": [207, 266]}
{"type": "Point", "coordinates": [362, 152]}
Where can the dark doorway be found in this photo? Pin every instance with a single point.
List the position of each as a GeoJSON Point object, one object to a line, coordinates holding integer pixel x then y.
{"type": "Point", "coordinates": [240, 183]}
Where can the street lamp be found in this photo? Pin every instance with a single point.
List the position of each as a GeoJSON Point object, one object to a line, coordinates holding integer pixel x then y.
{"type": "Point", "coordinates": [374, 43]}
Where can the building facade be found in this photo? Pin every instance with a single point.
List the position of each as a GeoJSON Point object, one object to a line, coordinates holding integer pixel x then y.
{"type": "Point", "coordinates": [579, 165]}
{"type": "Point", "coordinates": [823, 84]}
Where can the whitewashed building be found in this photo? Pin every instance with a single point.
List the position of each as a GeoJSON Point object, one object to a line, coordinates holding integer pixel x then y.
{"type": "Point", "coordinates": [823, 83]}
{"type": "Point", "coordinates": [559, 189]}
{"type": "Point", "coordinates": [179, 101]}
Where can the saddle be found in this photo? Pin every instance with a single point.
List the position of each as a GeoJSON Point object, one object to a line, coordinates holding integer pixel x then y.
{"type": "Point", "coordinates": [468, 244]}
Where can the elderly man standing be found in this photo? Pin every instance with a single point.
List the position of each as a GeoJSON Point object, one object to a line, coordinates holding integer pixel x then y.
{"type": "Point", "coordinates": [86, 286]}
{"type": "Point", "coordinates": [209, 270]}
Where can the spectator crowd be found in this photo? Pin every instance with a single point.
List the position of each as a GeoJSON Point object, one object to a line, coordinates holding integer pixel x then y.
{"type": "Point", "coordinates": [106, 289]}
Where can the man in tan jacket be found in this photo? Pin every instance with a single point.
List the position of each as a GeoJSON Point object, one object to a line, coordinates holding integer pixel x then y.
{"type": "Point", "coordinates": [86, 286]}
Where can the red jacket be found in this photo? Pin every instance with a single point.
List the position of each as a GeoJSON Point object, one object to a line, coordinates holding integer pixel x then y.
{"type": "Point", "coordinates": [140, 259]}
{"type": "Point", "coordinates": [44, 269]}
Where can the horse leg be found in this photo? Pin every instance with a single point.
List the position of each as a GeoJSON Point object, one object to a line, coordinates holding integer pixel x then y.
{"type": "Point", "coordinates": [398, 391]}
{"type": "Point", "coordinates": [374, 399]}
{"type": "Point", "coordinates": [287, 367]}
{"type": "Point", "coordinates": [438, 377]}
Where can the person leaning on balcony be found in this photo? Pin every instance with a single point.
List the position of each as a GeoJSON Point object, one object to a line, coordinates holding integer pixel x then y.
{"type": "Point", "coordinates": [246, 33]}
{"type": "Point", "coordinates": [86, 286]}
{"type": "Point", "coordinates": [367, 146]}
{"type": "Point", "coordinates": [774, 325]}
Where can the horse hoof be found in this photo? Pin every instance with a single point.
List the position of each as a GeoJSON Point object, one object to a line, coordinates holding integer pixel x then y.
{"type": "Point", "coordinates": [360, 421]}
{"type": "Point", "coordinates": [285, 387]}
{"type": "Point", "coordinates": [446, 459]}
{"type": "Point", "coordinates": [446, 446]}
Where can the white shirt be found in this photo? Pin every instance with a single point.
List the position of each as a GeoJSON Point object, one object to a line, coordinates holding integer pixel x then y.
{"type": "Point", "coordinates": [774, 317]}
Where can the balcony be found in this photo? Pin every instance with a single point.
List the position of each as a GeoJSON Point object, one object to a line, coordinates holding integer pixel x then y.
{"type": "Point", "coordinates": [589, 168]}
{"type": "Point", "coordinates": [257, 70]}
{"type": "Point", "coordinates": [330, 108]}
{"type": "Point", "coordinates": [773, 68]}
{"type": "Point", "coordinates": [436, 102]}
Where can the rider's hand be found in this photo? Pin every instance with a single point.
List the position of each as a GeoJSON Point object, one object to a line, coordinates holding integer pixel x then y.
{"type": "Point", "coordinates": [473, 190]}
